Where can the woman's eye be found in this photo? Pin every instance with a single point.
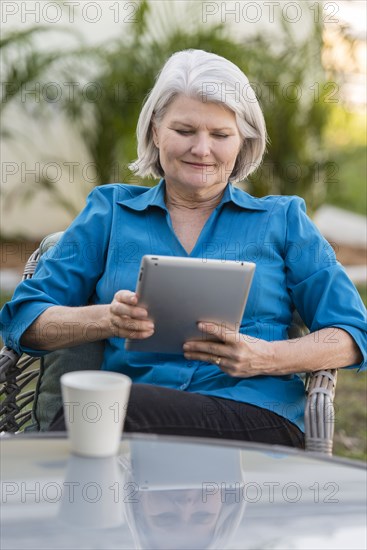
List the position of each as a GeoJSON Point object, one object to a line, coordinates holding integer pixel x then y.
{"type": "Point", "coordinates": [184, 132]}
{"type": "Point", "coordinates": [189, 132]}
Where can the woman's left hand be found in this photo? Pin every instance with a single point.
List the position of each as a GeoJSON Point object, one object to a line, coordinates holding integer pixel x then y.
{"type": "Point", "coordinates": [234, 353]}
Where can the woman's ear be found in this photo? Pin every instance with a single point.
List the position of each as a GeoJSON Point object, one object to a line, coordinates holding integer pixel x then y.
{"type": "Point", "coordinates": [155, 134]}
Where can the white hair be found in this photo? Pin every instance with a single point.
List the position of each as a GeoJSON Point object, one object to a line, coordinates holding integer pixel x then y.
{"type": "Point", "coordinates": [202, 75]}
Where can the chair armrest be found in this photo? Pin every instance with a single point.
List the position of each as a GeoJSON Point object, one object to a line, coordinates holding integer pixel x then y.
{"type": "Point", "coordinates": [319, 411]}
{"type": "Point", "coordinates": [8, 359]}
{"type": "Point", "coordinates": [50, 241]}
{"type": "Point", "coordinates": [17, 373]}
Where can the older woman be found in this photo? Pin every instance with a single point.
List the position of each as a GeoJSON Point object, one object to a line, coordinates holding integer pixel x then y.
{"type": "Point", "coordinates": [201, 129]}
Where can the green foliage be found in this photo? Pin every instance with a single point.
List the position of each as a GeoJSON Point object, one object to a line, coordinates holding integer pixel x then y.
{"type": "Point", "coordinates": [348, 188]}
{"type": "Point", "coordinates": [24, 66]}
{"type": "Point", "coordinates": [22, 63]}
{"type": "Point", "coordinates": [346, 139]}
{"type": "Point", "coordinates": [351, 409]}
{"type": "Point", "coordinates": [350, 415]}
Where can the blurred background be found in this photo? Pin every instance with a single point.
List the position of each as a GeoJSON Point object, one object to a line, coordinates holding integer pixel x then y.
{"type": "Point", "coordinates": [74, 75]}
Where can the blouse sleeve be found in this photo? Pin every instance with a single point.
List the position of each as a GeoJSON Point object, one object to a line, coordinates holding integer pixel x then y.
{"type": "Point", "coordinates": [66, 274]}
{"type": "Point", "coordinates": [319, 286]}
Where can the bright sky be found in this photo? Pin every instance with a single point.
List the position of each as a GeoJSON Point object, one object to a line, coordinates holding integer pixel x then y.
{"type": "Point", "coordinates": [354, 12]}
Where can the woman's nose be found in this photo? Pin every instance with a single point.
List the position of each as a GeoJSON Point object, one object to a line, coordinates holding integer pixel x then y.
{"type": "Point", "coordinates": [201, 145]}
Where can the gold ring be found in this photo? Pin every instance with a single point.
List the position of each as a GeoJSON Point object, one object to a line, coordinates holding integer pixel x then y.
{"type": "Point", "coordinates": [218, 360]}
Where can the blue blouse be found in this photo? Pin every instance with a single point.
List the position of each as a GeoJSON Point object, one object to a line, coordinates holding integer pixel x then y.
{"type": "Point", "coordinates": [100, 253]}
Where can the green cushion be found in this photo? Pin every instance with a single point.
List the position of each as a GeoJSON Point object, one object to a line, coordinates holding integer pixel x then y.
{"type": "Point", "coordinates": [297, 328]}
{"type": "Point", "coordinates": [53, 365]}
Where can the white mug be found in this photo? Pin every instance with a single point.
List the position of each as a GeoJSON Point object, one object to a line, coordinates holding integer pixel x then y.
{"type": "Point", "coordinates": [95, 404]}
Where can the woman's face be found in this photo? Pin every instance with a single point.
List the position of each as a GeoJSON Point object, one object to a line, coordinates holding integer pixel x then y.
{"type": "Point", "coordinates": [180, 516]}
{"type": "Point", "coordinates": [198, 145]}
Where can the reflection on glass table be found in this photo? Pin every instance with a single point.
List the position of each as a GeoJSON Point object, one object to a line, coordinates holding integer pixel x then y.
{"type": "Point", "coordinates": [187, 496]}
{"type": "Point", "coordinates": [166, 492]}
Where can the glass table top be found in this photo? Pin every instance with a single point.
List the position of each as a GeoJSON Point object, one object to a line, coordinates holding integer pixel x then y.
{"type": "Point", "coordinates": [167, 492]}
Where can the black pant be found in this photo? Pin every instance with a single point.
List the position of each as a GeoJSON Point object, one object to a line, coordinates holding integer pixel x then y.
{"type": "Point", "coordinates": [154, 409]}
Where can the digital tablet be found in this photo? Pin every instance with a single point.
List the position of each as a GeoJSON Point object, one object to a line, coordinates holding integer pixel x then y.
{"type": "Point", "coordinates": [180, 292]}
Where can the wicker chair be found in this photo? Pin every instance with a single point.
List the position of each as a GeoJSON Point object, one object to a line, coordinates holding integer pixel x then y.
{"type": "Point", "coordinates": [19, 373]}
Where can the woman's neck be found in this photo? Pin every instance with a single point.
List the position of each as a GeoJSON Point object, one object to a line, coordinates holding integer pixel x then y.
{"type": "Point", "coordinates": [176, 200]}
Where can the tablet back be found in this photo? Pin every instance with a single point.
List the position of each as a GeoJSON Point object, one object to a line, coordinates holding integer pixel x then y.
{"type": "Point", "coordinates": [179, 292]}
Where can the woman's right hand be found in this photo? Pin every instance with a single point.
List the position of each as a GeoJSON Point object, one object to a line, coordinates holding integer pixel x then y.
{"type": "Point", "coordinates": [126, 319]}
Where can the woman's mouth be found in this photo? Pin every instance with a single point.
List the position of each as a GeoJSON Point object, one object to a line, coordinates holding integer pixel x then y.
{"type": "Point", "coordinates": [198, 164]}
